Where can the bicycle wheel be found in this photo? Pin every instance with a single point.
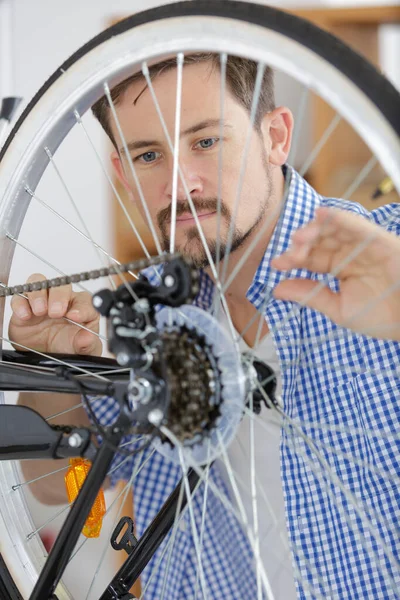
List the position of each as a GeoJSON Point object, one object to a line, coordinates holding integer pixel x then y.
{"type": "Point", "coordinates": [33, 153]}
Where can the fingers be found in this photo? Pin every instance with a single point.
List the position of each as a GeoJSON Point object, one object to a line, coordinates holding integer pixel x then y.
{"type": "Point", "coordinates": [87, 343]}
{"type": "Point", "coordinates": [54, 302]}
{"type": "Point", "coordinates": [323, 243]}
{"type": "Point", "coordinates": [59, 299]}
{"type": "Point", "coordinates": [314, 259]}
{"type": "Point", "coordinates": [39, 320]}
{"type": "Point", "coordinates": [34, 304]}
{"type": "Point", "coordinates": [81, 309]}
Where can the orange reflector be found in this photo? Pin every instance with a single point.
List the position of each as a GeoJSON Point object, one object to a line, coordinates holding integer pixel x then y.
{"type": "Point", "coordinates": [74, 479]}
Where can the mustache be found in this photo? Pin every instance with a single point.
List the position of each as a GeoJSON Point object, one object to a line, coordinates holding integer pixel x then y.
{"type": "Point", "coordinates": [200, 204]}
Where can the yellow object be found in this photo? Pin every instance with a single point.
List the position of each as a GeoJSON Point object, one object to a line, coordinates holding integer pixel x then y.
{"type": "Point", "coordinates": [385, 187]}
{"type": "Point", "coordinates": [74, 479]}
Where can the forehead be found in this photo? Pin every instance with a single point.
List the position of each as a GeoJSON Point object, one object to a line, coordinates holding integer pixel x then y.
{"type": "Point", "coordinates": [200, 98]}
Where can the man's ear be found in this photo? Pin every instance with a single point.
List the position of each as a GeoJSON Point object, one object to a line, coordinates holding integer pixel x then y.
{"type": "Point", "coordinates": [119, 170]}
{"type": "Point", "coordinates": [277, 130]}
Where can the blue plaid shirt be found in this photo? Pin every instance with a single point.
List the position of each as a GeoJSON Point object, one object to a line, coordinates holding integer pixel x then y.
{"type": "Point", "coordinates": [342, 390]}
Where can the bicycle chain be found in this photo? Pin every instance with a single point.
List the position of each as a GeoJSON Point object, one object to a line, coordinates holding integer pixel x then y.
{"type": "Point", "coordinates": [46, 284]}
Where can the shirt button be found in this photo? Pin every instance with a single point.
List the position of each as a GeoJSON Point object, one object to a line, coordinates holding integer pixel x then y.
{"type": "Point", "coordinates": [300, 524]}
{"type": "Point", "coordinates": [182, 526]}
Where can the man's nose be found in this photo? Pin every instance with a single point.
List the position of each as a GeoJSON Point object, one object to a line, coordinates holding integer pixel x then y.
{"type": "Point", "coordinates": [189, 179]}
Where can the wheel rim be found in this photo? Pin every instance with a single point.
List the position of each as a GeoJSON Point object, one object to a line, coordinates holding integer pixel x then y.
{"type": "Point", "coordinates": [195, 34]}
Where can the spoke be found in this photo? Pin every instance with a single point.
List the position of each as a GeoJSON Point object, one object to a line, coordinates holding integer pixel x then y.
{"type": "Point", "coordinates": [365, 310]}
{"type": "Point", "coordinates": [77, 230]}
{"type": "Point", "coordinates": [53, 358]}
{"type": "Point", "coordinates": [203, 515]}
{"type": "Point", "coordinates": [304, 583]}
{"type": "Point", "coordinates": [79, 548]}
{"type": "Point", "coordinates": [102, 337]}
{"type": "Point", "coordinates": [112, 371]}
{"type": "Point", "coordinates": [351, 499]}
{"type": "Point", "coordinates": [282, 526]}
{"type": "Point", "coordinates": [318, 147]}
{"type": "Point", "coordinates": [373, 330]}
{"type": "Point", "coordinates": [125, 281]}
{"type": "Point", "coordinates": [200, 473]}
{"type": "Point", "coordinates": [170, 545]}
{"type": "Point", "coordinates": [126, 487]}
{"type": "Point", "coordinates": [382, 473]}
{"type": "Point", "coordinates": [322, 284]}
{"type": "Point", "coordinates": [276, 213]}
{"type": "Point", "coordinates": [299, 120]}
{"type": "Point", "coordinates": [60, 512]}
{"type": "Point", "coordinates": [132, 168]}
{"type": "Point", "coordinates": [319, 474]}
{"type": "Point", "coordinates": [258, 315]}
{"type": "Point", "coordinates": [124, 493]}
{"type": "Point", "coordinates": [340, 429]}
{"type": "Point", "coordinates": [360, 178]}
{"type": "Point", "coordinates": [145, 71]}
{"type": "Point", "coordinates": [170, 542]}
{"type": "Point", "coordinates": [76, 209]}
{"type": "Point", "coordinates": [254, 542]}
{"type": "Point", "coordinates": [119, 464]}
{"type": "Point", "coordinates": [254, 499]}
{"type": "Point", "coordinates": [43, 260]}
{"type": "Point", "coordinates": [225, 501]}
{"type": "Point", "coordinates": [20, 485]}
{"type": "Point", "coordinates": [24, 367]}
{"type": "Point", "coordinates": [351, 430]}
{"type": "Point", "coordinates": [262, 491]}
{"type": "Point", "coordinates": [223, 61]}
{"type": "Point", "coordinates": [342, 368]}
{"type": "Point", "coordinates": [36, 531]}
{"type": "Point", "coordinates": [179, 61]}
{"type": "Point", "coordinates": [115, 191]}
{"type": "Point", "coordinates": [243, 166]}
{"type": "Point", "coordinates": [193, 522]}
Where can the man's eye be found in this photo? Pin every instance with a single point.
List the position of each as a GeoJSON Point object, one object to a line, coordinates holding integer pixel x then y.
{"type": "Point", "coordinates": [207, 142]}
{"type": "Point", "coordinates": [148, 157]}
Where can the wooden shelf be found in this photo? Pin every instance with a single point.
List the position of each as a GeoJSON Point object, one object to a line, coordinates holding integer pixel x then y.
{"type": "Point", "coordinates": [364, 15]}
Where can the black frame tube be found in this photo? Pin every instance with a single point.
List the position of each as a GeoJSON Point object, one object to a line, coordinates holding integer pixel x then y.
{"type": "Point", "coordinates": [72, 527]}
{"type": "Point", "coordinates": [128, 574]}
{"type": "Point", "coordinates": [149, 542]}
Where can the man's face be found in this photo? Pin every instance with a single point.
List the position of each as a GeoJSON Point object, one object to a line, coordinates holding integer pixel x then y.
{"type": "Point", "coordinates": [199, 159]}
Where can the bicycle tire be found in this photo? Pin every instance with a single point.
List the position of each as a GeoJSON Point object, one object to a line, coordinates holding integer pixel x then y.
{"type": "Point", "coordinates": [364, 76]}
{"type": "Point", "coordinates": [8, 589]}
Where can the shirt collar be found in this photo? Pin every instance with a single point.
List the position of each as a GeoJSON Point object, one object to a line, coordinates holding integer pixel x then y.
{"type": "Point", "coordinates": [301, 203]}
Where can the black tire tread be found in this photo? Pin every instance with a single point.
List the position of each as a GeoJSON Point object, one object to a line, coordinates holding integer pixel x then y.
{"type": "Point", "coordinates": [350, 63]}
{"type": "Point", "coordinates": [8, 589]}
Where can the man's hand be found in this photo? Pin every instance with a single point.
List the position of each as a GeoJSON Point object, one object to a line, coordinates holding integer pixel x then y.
{"type": "Point", "coordinates": [38, 323]}
{"type": "Point", "coordinates": [369, 297]}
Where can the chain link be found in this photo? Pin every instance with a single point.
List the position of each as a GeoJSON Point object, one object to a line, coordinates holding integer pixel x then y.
{"type": "Point", "coordinates": [46, 284]}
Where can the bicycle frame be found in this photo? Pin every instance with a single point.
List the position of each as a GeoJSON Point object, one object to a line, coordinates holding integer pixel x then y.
{"type": "Point", "coordinates": [53, 444]}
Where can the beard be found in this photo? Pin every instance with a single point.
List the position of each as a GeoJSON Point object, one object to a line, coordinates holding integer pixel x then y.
{"type": "Point", "coordinates": [193, 247]}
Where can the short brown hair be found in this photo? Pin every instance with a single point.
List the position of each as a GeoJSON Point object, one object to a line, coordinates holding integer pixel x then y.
{"type": "Point", "coordinates": [241, 76]}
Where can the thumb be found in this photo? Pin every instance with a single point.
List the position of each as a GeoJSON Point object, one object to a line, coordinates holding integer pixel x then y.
{"type": "Point", "coordinates": [301, 290]}
{"type": "Point", "coordinates": [87, 343]}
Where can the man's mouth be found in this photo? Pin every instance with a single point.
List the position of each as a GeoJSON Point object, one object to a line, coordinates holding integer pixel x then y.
{"type": "Point", "coordinates": [188, 217]}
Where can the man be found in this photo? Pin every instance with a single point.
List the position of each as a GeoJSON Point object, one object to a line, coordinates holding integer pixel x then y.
{"type": "Point", "coordinates": [342, 506]}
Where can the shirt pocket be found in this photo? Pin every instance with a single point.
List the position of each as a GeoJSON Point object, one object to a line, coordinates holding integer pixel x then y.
{"type": "Point", "coordinates": [378, 398]}
{"type": "Point", "coordinates": [356, 438]}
